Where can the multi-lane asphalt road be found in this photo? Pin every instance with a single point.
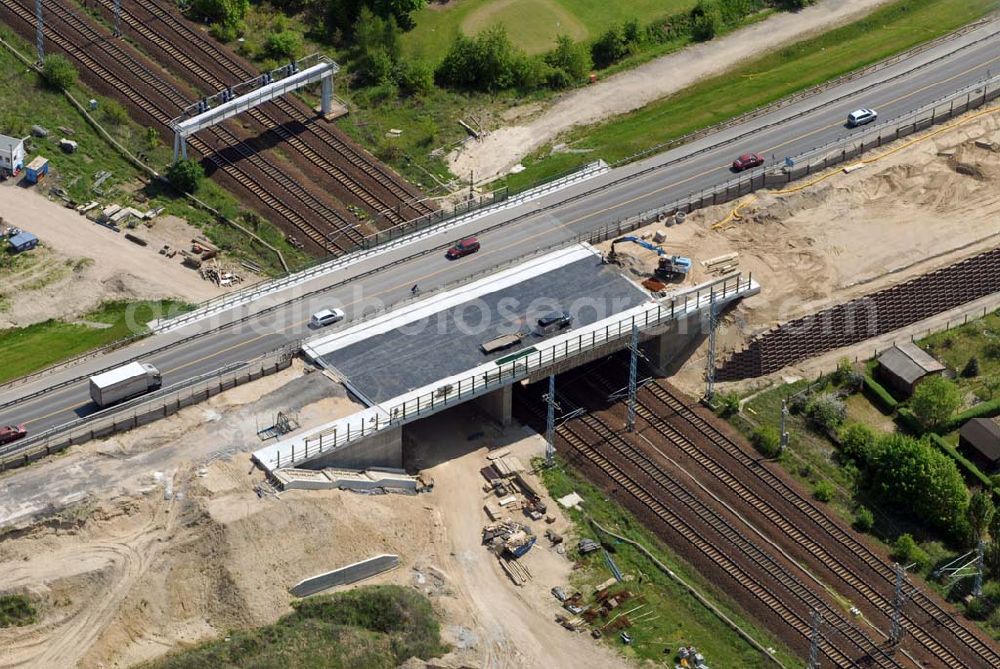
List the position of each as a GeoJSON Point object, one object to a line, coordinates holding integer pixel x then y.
{"type": "Point", "coordinates": [561, 216]}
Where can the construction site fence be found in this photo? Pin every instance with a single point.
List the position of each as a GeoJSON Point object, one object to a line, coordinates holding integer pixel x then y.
{"type": "Point", "coordinates": [143, 410]}
{"type": "Point", "coordinates": [527, 363]}
{"type": "Point", "coordinates": [814, 90]}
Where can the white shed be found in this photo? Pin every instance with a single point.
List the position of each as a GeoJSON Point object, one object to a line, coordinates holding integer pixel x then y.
{"type": "Point", "coordinates": [11, 154]}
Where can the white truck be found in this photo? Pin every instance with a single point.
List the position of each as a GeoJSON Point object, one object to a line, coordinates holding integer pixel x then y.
{"type": "Point", "coordinates": [123, 383]}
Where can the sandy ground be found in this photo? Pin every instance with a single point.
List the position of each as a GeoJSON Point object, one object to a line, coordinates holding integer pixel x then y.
{"type": "Point", "coordinates": [155, 538]}
{"type": "Point", "coordinates": [848, 235]}
{"type": "Point", "coordinates": [83, 264]}
{"type": "Point", "coordinates": [504, 147]}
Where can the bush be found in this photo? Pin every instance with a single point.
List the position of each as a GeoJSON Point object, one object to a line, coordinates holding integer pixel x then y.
{"type": "Point", "coordinates": [880, 395]}
{"type": "Point", "coordinates": [767, 440]}
{"type": "Point", "coordinates": [282, 45]}
{"type": "Point", "coordinates": [414, 77]}
{"type": "Point", "coordinates": [934, 401]}
{"type": "Point", "coordinates": [826, 411]}
{"type": "Point", "coordinates": [972, 471]}
{"type": "Point", "coordinates": [114, 113]}
{"type": "Point", "coordinates": [823, 491]}
{"type": "Point", "coordinates": [857, 443]}
{"type": "Point", "coordinates": [906, 551]}
{"type": "Point", "coordinates": [729, 404]}
{"type": "Point", "coordinates": [58, 72]}
{"type": "Point", "coordinates": [617, 42]}
{"type": "Point", "coordinates": [864, 519]}
{"type": "Point", "coordinates": [185, 176]}
{"type": "Point", "coordinates": [219, 11]}
{"type": "Point", "coordinates": [16, 610]}
{"type": "Point", "coordinates": [981, 410]}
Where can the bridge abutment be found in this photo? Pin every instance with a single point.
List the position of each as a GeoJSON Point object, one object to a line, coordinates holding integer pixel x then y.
{"type": "Point", "coordinates": [382, 449]}
{"type": "Point", "coordinates": [498, 405]}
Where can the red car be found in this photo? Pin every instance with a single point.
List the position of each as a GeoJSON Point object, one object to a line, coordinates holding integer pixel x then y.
{"type": "Point", "coordinates": [747, 160]}
{"type": "Point", "coordinates": [463, 248]}
{"type": "Point", "coordinates": [9, 433]}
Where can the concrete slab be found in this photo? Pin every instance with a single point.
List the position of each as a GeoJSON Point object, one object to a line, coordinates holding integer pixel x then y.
{"type": "Point", "coordinates": [408, 350]}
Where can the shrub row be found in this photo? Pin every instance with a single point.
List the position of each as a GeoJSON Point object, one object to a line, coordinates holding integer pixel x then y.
{"type": "Point", "coordinates": [981, 410]}
{"type": "Point", "coordinates": [971, 469]}
{"type": "Point", "coordinates": [880, 395]}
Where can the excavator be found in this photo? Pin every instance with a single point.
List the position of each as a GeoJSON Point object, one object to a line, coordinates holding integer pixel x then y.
{"type": "Point", "coordinates": [669, 267]}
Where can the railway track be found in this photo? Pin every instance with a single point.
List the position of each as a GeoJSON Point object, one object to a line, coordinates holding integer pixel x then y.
{"type": "Point", "coordinates": [158, 101]}
{"type": "Point", "coordinates": [217, 72]}
{"type": "Point", "coordinates": [941, 621]}
{"type": "Point", "coordinates": [664, 497]}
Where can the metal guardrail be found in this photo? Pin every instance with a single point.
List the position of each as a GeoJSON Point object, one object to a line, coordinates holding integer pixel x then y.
{"type": "Point", "coordinates": [819, 88]}
{"type": "Point", "coordinates": [534, 359]}
{"type": "Point", "coordinates": [259, 290]}
{"type": "Point", "coordinates": [143, 410]}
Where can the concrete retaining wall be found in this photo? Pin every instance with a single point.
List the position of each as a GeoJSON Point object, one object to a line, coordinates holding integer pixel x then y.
{"type": "Point", "coordinates": [352, 573]}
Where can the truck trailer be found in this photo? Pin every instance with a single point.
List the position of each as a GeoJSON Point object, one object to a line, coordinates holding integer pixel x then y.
{"type": "Point", "coordinates": [123, 383]}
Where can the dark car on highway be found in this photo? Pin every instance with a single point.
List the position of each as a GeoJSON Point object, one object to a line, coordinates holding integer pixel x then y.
{"type": "Point", "coordinates": [463, 248]}
{"type": "Point", "coordinates": [9, 433]}
{"type": "Point", "coordinates": [747, 160]}
{"type": "Point", "coordinates": [554, 321]}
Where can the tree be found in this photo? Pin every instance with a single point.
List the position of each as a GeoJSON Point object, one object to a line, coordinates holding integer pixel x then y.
{"type": "Point", "coordinates": [343, 14]}
{"type": "Point", "coordinates": [487, 62]}
{"type": "Point", "coordinates": [219, 11]}
{"type": "Point", "coordinates": [570, 58]}
{"type": "Point", "coordinates": [934, 401]}
{"type": "Point", "coordinates": [981, 511]}
{"type": "Point", "coordinates": [826, 410]}
{"type": "Point", "coordinates": [921, 481]}
{"type": "Point", "coordinates": [971, 369]}
{"type": "Point", "coordinates": [993, 547]}
{"type": "Point", "coordinates": [992, 385]}
{"type": "Point", "coordinates": [767, 440]}
{"type": "Point", "coordinates": [795, 5]}
{"type": "Point", "coordinates": [610, 47]}
{"type": "Point", "coordinates": [58, 72]}
{"type": "Point", "coordinates": [185, 175]}
{"type": "Point", "coordinates": [706, 21]}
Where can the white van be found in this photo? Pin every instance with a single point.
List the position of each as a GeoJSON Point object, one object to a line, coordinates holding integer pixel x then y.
{"type": "Point", "coordinates": [326, 317]}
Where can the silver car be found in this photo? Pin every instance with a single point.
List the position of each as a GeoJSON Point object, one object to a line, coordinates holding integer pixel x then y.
{"type": "Point", "coordinates": [861, 116]}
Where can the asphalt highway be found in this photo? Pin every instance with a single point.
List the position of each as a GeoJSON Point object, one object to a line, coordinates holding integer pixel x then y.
{"type": "Point", "coordinates": [559, 217]}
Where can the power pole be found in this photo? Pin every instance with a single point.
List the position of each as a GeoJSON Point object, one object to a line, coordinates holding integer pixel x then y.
{"type": "Point", "coordinates": [814, 639]}
{"type": "Point", "coordinates": [550, 422]}
{"type": "Point", "coordinates": [896, 629]}
{"type": "Point", "coordinates": [977, 586]}
{"type": "Point", "coordinates": [710, 368]}
{"type": "Point", "coordinates": [784, 432]}
{"type": "Point", "coordinates": [39, 31]}
{"type": "Point", "coordinates": [632, 368]}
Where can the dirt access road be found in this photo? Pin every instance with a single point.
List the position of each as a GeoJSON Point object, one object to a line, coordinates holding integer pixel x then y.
{"type": "Point", "coordinates": [136, 544]}
{"type": "Point", "coordinates": [503, 148]}
{"type": "Point", "coordinates": [83, 264]}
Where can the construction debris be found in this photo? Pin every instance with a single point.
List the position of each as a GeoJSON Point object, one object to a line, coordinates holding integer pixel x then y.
{"type": "Point", "coordinates": [508, 537]}
{"type": "Point", "coordinates": [588, 546]}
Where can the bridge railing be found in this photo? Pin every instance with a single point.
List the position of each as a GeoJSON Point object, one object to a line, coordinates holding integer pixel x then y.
{"type": "Point", "coordinates": [508, 369]}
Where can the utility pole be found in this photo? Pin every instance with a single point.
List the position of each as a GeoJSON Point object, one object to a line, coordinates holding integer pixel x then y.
{"type": "Point", "coordinates": [814, 639]}
{"type": "Point", "coordinates": [784, 432]}
{"type": "Point", "coordinates": [896, 629]}
{"type": "Point", "coordinates": [632, 369]}
{"type": "Point", "coordinates": [39, 31]}
{"type": "Point", "coordinates": [977, 586]}
{"type": "Point", "coordinates": [550, 422]}
{"type": "Point", "coordinates": [710, 365]}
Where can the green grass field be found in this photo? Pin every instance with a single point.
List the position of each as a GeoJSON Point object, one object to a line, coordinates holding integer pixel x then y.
{"type": "Point", "coordinates": [532, 24]}
{"type": "Point", "coordinates": [888, 31]}
{"type": "Point", "coordinates": [679, 618]}
{"type": "Point", "coordinates": [35, 347]}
